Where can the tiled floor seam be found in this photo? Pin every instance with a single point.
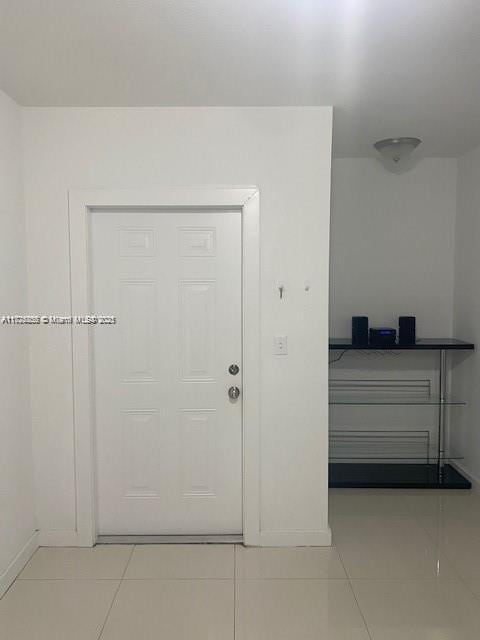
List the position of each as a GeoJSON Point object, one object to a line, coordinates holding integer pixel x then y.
{"type": "Point", "coordinates": [421, 525]}
{"type": "Point", "coordinates": [434, 539]}
{"type": "Point", "coordinates": [445, 553]}
{"type": "Point", "coordinates": [466, 584]}
{"type": "Point", "coordinates": [353, 591]}
{"type": "Point", "coordinates": [71, 579]}
{"type": "Point", "coordinates": [360, 609]}
{"type": "Point", "coordinates": [128, 562]}
{"type": "Point", "coordinates": [115, 594]}
{"type": "Point", "coordinates": [234, 591]}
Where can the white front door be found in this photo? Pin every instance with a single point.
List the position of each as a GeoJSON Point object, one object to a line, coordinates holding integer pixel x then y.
{"type": "Point", "coordinates": [168, 436]}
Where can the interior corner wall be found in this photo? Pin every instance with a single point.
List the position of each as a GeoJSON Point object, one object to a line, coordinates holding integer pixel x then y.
{"type": "Point", "coordinates": [464, 434]}
{"type": "Point", "coordinates": [17, 511]}
{"type": "Point", "coordinates": [284, 151]}
{"type": "Point", "coordinates": [392, 244]}
{"type": "Point", "coordinates": [392, 254]}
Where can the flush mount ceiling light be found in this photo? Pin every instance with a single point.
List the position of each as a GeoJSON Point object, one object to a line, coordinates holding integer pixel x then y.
{"type": "Point", "coordinates": [396, 149]}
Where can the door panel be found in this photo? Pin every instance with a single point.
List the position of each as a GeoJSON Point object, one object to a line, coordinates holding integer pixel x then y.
{"type": "Point", "coordinates": [197, 330]}
{"type": "Point", "coordinates": [168, 438]}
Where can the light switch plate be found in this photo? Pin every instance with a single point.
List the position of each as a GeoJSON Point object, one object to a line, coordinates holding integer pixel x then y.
{"type": "Point", "coordinates": [280, 346]}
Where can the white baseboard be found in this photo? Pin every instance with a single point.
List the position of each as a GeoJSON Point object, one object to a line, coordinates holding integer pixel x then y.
{"type": "Point", "coordinates": [475, 480]}
{"type": "Point", "coordinates": [293, 538]}
{"type": "Point", "coordinates": [17, 564]}
{"type": "Point", "coordinates": [296, 538]}
{"type": "Point", "coordinates": [58, 538]}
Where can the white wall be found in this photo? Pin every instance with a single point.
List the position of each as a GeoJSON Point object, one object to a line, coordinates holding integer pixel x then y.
{"type": "Point", "coordinates": [392, 254]}
{"type": "Point", "coordinates": [286, 152]}
{"type": "Point", "coordinates": [466, 379]}
{"type": "Point", "coordinates": [17, 521]}
{"type": "Point", "coordinates": [392, 244]}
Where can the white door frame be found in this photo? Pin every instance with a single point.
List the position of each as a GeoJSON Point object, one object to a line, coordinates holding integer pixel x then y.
{"type": "Point", "coordinates": [80, 203]}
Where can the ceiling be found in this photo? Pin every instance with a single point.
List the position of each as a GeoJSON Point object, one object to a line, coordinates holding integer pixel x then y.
{"type": "Point", "coordinates": [389, 67]}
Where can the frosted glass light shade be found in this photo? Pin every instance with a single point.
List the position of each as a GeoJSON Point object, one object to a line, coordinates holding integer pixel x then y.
{"type": "Point", "coordinates": [396, 149]}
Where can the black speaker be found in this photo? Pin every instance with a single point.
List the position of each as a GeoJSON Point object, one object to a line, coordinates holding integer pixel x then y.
{"type": "Point", "coordinates": [406, 330]}
{"type": "Point", "coordinates": [360, 331]}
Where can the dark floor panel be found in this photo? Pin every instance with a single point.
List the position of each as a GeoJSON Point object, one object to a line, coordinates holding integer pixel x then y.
{"type": "Point", "coordinates": [392, 476]}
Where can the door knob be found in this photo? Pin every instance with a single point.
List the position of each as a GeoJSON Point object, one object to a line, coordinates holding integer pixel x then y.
{"type": "Point", "coordinates": [233, 393]}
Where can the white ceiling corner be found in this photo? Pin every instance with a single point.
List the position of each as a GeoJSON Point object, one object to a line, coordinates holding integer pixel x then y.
{"type": "Point", "coordinates": [389, 67]}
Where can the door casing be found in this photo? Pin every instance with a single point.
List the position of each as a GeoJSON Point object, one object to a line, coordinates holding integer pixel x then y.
{"type": "Point", "coordinates": [80, 204]}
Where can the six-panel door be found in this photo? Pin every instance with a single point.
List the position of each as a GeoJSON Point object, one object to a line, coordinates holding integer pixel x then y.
{"type": "Point", "coordinates": [168, 437]}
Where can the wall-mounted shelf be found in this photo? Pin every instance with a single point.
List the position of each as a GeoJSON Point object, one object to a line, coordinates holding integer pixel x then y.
{"type": "Point", "coordinates": [395, 458]}
{"type": "Point", "coordinates": [373, 445]}
{"type": "Point", "coordinates": [410, 457]}
{"type": "Point", "coordinates": [337, 398]}
{"type": "Point", "coordinates": [424, 344]}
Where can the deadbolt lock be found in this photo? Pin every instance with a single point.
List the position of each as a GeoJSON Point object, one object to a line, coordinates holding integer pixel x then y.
{"type": "Point", "coordinates": [233, 369]}
{"type": "Point", "coordinates": [233, 393]}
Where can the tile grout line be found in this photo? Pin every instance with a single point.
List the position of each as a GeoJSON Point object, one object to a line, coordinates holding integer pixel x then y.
{"type": "Point", "coordinates": [353, 591]}
{"type": "Point", "coordinates": [128, 562]}
{"type": "Point", "coordinates": [115, 594]}
{"type": "Point", "coordinates": [466, 584]}
{"type": "Point", "coordinates": [435, 540]}
{"type": "Point", "coordinates": [359, 608]}
{"type": "Point", "coordinates": [234, 591]}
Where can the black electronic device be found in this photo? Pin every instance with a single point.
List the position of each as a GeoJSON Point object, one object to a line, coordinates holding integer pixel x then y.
{"type": "Point", "coordinates": [360, 331]}
{"type": "Point", "coordinates": [406, 330]}
{"type": "Point", "coordinates": [383, 337]}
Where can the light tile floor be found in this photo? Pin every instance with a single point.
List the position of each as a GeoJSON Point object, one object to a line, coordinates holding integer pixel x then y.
{"type": "Point", "coordinates": [405, 565]}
